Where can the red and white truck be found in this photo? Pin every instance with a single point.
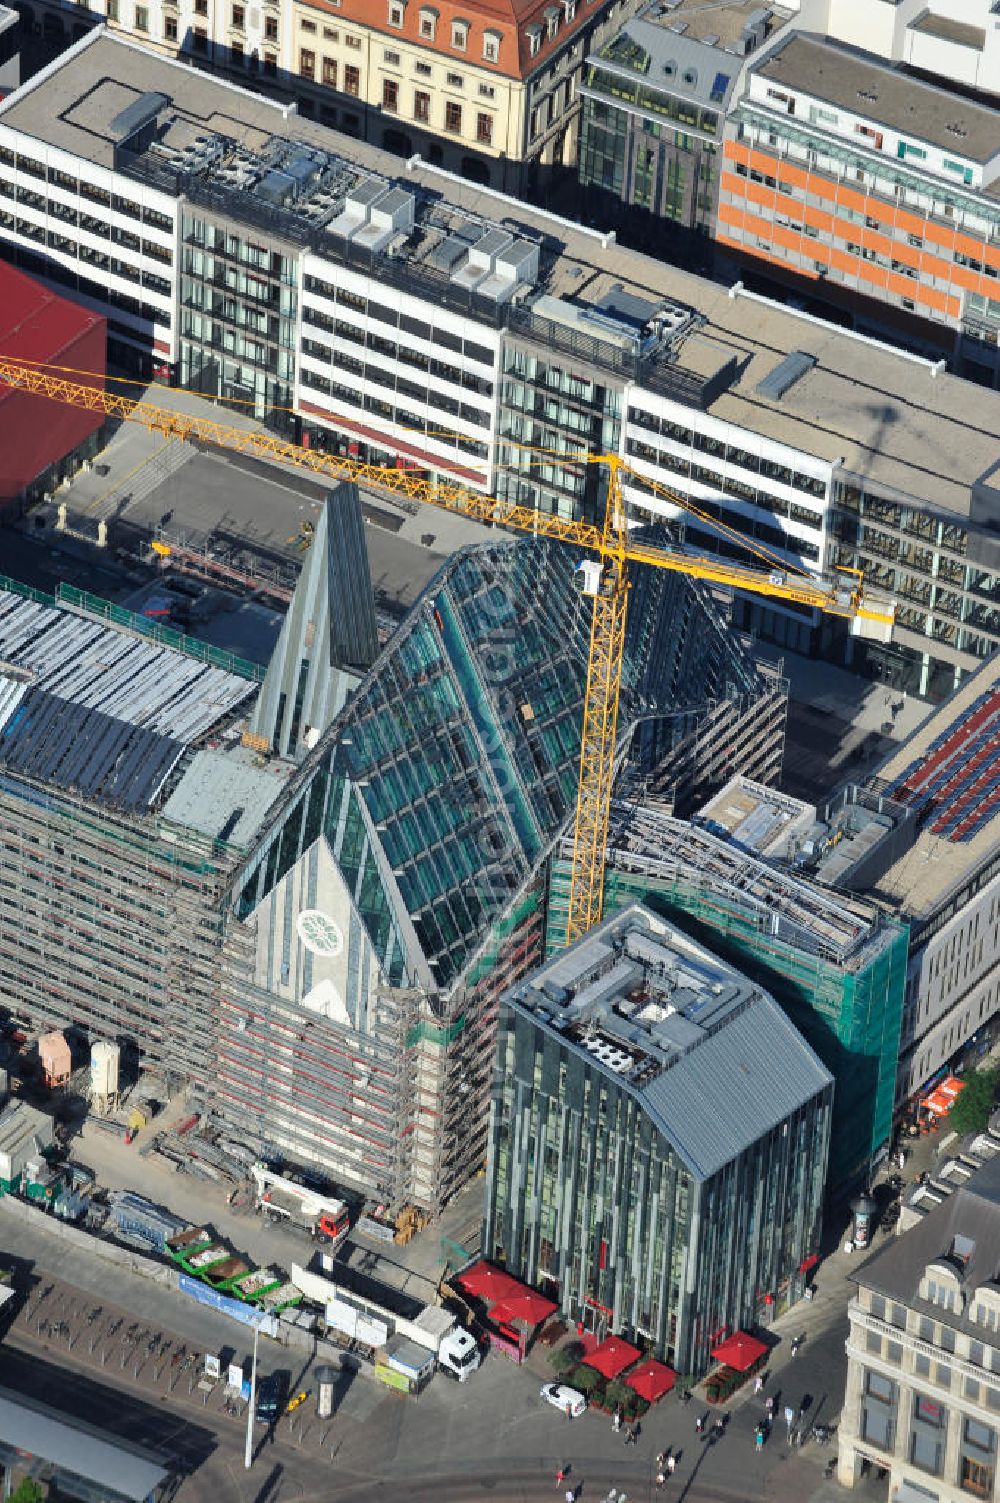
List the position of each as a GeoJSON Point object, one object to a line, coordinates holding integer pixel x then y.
{"type": "Point", "coordinates": [281, 1199]}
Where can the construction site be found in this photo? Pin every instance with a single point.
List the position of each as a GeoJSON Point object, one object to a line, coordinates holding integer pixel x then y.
{"type": "Point", "coordinates": [835, 963]}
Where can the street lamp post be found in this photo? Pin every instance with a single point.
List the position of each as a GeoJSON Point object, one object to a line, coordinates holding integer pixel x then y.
{"type": "Point", "coordinates": [248, 1453]}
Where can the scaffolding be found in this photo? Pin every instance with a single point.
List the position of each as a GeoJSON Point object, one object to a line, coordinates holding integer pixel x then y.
{"type": "Point", "coordinates": [835, 964]}
{"type": "Point", "coordinates": [109, 923]}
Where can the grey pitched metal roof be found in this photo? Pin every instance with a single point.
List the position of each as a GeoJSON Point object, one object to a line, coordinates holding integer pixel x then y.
{"type": "Point", "coordinates": [122, 1469]}
{"type": "Point", "coordinates": [734, 1086]}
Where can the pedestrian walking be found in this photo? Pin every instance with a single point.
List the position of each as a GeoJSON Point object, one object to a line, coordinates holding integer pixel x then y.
{"type": "Point", "coordinates": [661, 1478]}
{"type": "Point", "coordinates": [789, 1418]}
{"type": "Point", "coordinates": [699, 1425]}
{"type": "Point", "coordinates": [571, 1495]}
{"type": "Point", "coordinates": [671, 1465]}
{"type": "Point", "coordinates": [569, 1411]}
{"type": "Point", "coordinates": [616, 1423]}
{"type": "Point", "coordinates": [661, 1457]}
{"type": "Point", "coordinates": [759, 1438]}
{"type": "Point", "coordinates": [562, 1474]}
{"type": "Point", "coordinates": [758, 1383]}
{"type": "Point", "coordinates": [769, 1405]}
{"type": "Point", "coordinates": [796, 1343]}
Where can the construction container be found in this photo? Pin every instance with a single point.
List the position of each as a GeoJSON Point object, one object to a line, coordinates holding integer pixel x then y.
{"type": "Point", "coordinates": [55, 1059]}
{"type": "Point", "coordinates": [255, 1285]}
{"type": "Point", "coordinates": [105, 1059]}
{"type": "Point", "coordinates": [24, 1134]}
{"type": "Point", "coordinates": [40, 1183]}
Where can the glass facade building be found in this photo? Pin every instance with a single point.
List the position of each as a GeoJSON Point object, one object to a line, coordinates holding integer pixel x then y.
{"type": "Point", "coordinates": [833, 963]}
{"type": "Point", "coordinates": [658, 1141]}
{"type": "Point", "coordinates": [419, 824]}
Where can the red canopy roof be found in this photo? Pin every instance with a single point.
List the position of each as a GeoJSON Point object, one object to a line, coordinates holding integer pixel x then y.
{"type": "Point", "coordinates": [651, 1380]}
{"type": "Point", "coordinates": [511, 1300]}
{"type": "Point", "coordinates": [740, 1351]}
{"type": "Point", "coordinates": [485, 1281]}
{"type": "Point", "coordinates": [613, 1356]}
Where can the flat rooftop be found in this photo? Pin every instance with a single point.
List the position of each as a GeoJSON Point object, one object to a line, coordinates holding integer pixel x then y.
{"type": "Point", "coordinates": [852, 81]}
{"type": "Point", "coordinates": [693, 49]}
{"type": "Point", "coordinates": [784, 903]}
{"type": "Point", "coordinates": [948, 772]}
{"type": "Point", "coordinates": [949, 30]}
{"type": "Point", "coordinates": [758, 818]}
{"type": "Point", "coordinates": [713, 1059]}
{"type": "Point", "coordinates": [876, 411]}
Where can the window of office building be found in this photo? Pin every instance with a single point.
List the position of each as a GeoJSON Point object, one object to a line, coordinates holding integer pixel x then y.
{"type": "Point", "coordinates": [453, 117]}
{"type": "Point", "coordinates": [390, 95]}
{"type": "Point", "coordinates": [928, 1429]}
{"type": "Point", "coordinates": [484, 130]}
{"type": "Point", "coordinates": [170, 28]}
{"type": "Point", "coordinates": [142, 18]}
{"type": "Point", "coordinates": [352, 80]}
{"type": "Point", "coordinates": [307, 63]}
{"type": "Point", "coordinates": [330, 72]}
{"type": "Point", "coordinates": [421, 106]}
{"type": "Point", "coordinates": [879, 1405]}
{"type": "Point", "coordinates": [977, 1464]}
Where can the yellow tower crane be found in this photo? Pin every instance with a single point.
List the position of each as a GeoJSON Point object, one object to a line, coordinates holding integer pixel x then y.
{"type": "Point", "coordinates": [603, 576]}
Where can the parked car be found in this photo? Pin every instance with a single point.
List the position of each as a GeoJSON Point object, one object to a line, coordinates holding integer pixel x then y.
{"type": "Point", "coordinates": [271, 1392]}
{"type": "Point", "coordinates": [561, 1397]}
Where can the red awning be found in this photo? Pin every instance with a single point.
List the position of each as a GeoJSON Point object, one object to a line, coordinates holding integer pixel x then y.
{"type": "Point", "coordinates": [808, 1263]}
{"type": "Point", "coordinates": [651, 1380]}
{"type": "Point", "coordinates": [485, 1281]}
{"type": "Point", "coordinates": [613, 1356]}
{"type": "Point", "coordinates": [740, 1351]}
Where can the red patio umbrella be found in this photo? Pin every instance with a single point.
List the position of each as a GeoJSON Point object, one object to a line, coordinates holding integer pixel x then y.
{"type": "Point", "coordinates": [740, 1351]}
{"type": "Point", "coordinates": [485, 1281]}
{"type": "Point", "coordinates": [527, 1305]}
{"type": "Point", "coordinates": [651, 1380]}
{"type": "Point", "coordinates": [613, 1356]}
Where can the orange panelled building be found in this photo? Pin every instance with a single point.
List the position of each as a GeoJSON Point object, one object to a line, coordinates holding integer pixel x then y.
{"type": "Point", "coordinates": [885, 207]}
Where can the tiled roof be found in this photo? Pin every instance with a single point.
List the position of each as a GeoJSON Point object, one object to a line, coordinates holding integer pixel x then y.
{"type": "Point", "coordinates": [510, 23]}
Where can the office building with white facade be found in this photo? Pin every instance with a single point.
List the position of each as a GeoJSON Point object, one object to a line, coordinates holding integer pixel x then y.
{"type": "Point", "coordinates": [402, 316]}
{"type": "Point", "coordinates": [947, 886]}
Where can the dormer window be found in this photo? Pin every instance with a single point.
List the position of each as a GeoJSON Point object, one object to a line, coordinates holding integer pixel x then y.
{"type": "Point", "coordinates": [397, 13]}
{"type": "Point", "coordinates": [551, 15]}
{"type": "Point", "coordinates": [962, 1250]}
{"type": "Point", "coordinates": [491, 46]}
{"type": "Point", "coordinates": [569, 11]}
{"type": "Point", "coordinates": [534, 35]}
{"type": "Point", "coordinates": [428, 23]}
{"type": "Point", "coordinates": [460, 34]}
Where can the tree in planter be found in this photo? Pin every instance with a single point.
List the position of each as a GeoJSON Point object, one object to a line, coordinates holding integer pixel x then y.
{"type": "Point", "coordinates": [563, 1361]}
{"type": "Point", "coordinates": [618, 1395]}
{"type": "Point", "coordinates": [27, 1491]}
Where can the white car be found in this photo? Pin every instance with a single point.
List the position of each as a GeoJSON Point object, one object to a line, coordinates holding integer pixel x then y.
{"type": "Point", "coordinates": [561, 1397]}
